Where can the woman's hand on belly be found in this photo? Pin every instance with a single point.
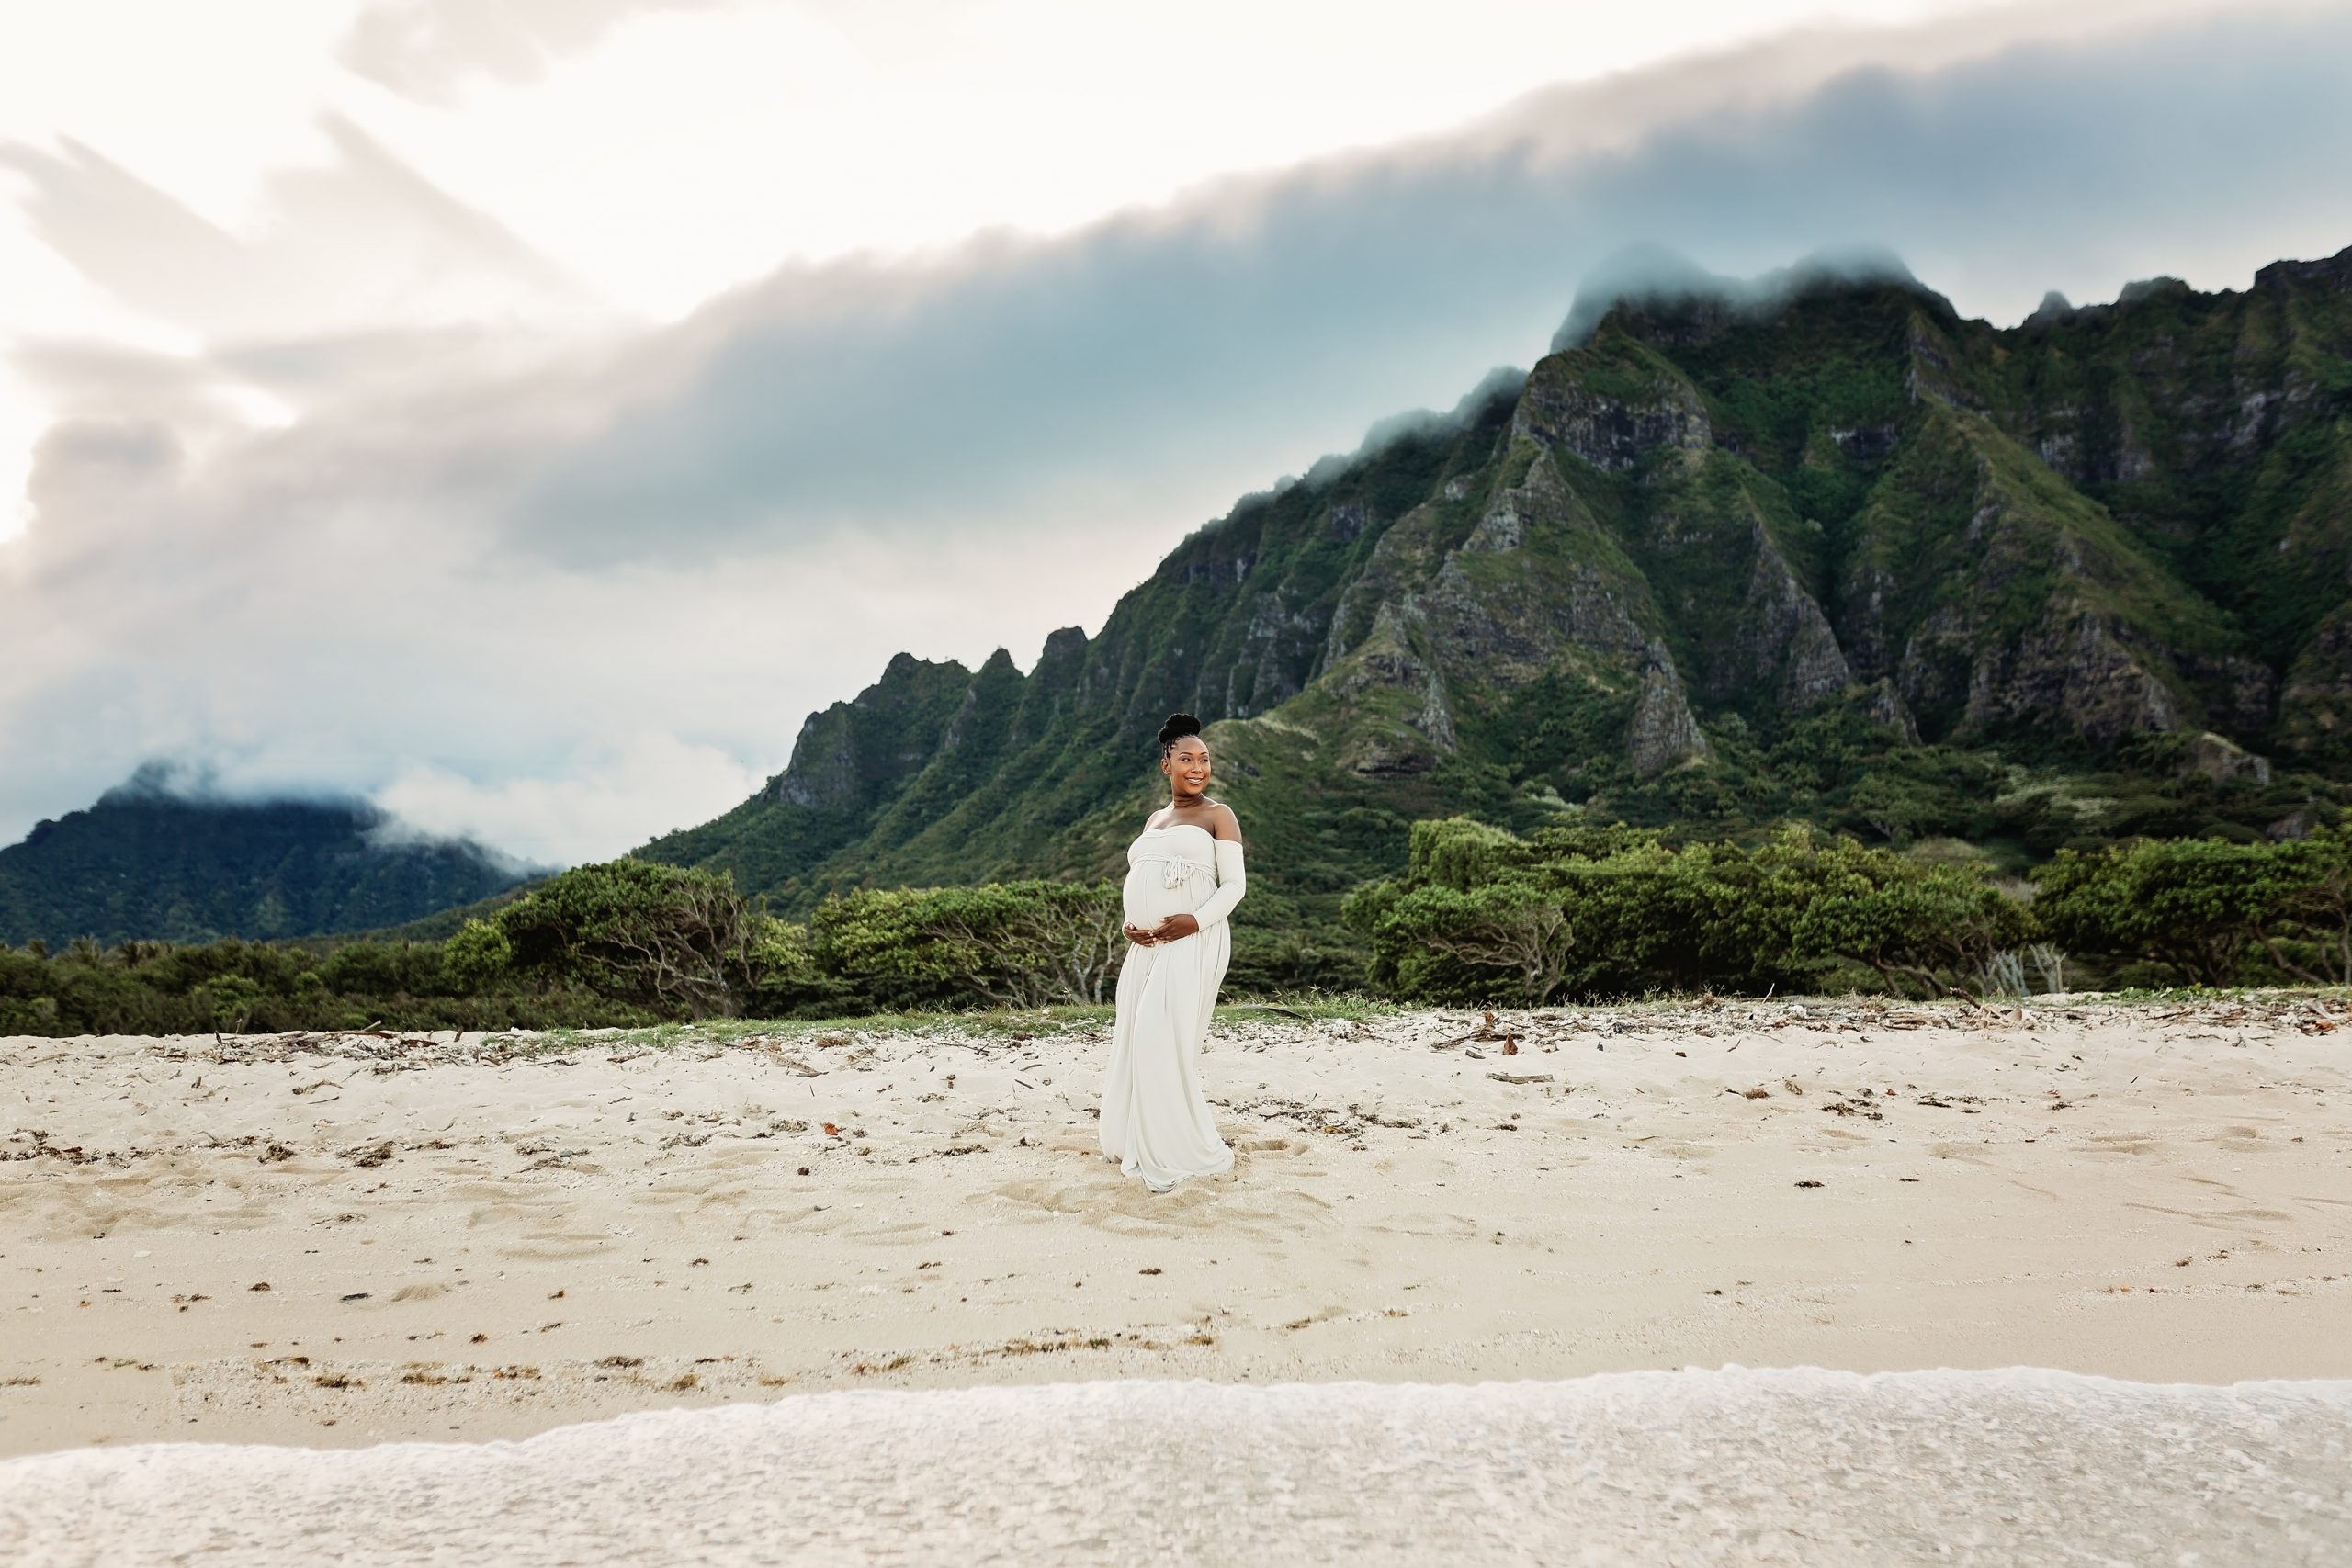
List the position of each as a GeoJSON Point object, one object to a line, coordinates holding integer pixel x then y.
{"type": "Point", "coordinates": [1175, 926]}
{"type": "Point", "coordinates": [1142, 936]}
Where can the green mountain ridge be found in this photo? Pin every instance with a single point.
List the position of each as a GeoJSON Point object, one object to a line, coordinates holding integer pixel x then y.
{"type": "Point", "coordinates": [1732, 554]}
{"type": "Point", "coordinates": [156, 859]}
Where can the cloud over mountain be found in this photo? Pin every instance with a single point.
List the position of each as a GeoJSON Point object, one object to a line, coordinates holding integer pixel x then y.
{"type": "Point", "coordinates": [482, 555]}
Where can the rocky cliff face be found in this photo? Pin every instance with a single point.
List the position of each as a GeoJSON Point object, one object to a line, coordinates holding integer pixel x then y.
{"type": "Point", "coordinates": [866, 750]}
{"type": "Point", "coordinates": [1704, 524]}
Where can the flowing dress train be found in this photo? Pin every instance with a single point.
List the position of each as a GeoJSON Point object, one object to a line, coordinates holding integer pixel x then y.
{"type": "Point", "coordinates": [1155, 1121]}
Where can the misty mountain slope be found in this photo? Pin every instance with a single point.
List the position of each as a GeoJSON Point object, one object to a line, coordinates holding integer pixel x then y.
{"type": "Point", "coordinates": [1731, 553]}
{"type": "Point", "coordinates": [849, 763]}
{"type": "Point", "coordinates": [1236, 619]}
{"type": "Point", "coordinates": [148, 863]}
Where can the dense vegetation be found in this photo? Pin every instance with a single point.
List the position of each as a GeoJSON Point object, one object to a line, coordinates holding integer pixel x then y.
{"type": "Point", "coordinates": [1577, 913]}
{"type": "Point", "coordinates": [1481, 915]}
{"type": "Point", "coordinates": [155, 988]}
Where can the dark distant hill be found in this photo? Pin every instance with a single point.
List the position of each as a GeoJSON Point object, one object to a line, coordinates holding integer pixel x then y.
{"type": "Point", "coordinates": [1814, 548]}
{"type": "Point", "coordinates": [150, 861]}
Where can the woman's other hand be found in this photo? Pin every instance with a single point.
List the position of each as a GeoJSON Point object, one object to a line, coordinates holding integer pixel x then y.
{"type": "Point", "coordinates": [1142, 936]}
{"type": "Point", "coordinates": [1175, 926]}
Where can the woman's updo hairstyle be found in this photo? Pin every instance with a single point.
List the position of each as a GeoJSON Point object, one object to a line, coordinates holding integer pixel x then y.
{"type": "Point", "coordinates": [1179, 725]}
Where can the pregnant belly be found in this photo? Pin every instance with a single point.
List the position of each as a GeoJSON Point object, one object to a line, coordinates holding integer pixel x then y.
{"type": "Point", "coordinates": [1147, 899]}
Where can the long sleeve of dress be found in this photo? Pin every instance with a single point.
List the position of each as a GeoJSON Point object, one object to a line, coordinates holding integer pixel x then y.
{"type": "Point", "coordinates": [1231, 884]}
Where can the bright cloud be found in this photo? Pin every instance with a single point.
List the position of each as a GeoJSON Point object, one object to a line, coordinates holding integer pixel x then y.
{"type": "Point", "coordinates": [425, 49]}
{"type": "Point", "coordinates": [598, 800]}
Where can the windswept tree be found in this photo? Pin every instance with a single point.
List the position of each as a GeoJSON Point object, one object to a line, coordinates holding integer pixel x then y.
{"type": "Point", "coordinates": [1005, 945]}
{"type": "Point", "coordinates": [1918, 925]}
{"type": "Point", "coordinates": [2195, 904]}
{"type": "Point", "coordinates": [1506, 939]}
{"type": "Point", "coordinates": [680, 941]}
{"type": "Point", "coordinates": [2307, 927]}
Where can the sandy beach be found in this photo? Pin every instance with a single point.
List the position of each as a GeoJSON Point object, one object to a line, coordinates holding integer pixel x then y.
{"type": "Point", "coordinates": [340, 1241]}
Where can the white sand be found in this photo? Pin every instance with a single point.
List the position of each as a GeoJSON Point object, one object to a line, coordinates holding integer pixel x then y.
{"type": "Point", "coordinates": [1807, 1467]}
{"type": "Point", "coordinates": [471, 1241]}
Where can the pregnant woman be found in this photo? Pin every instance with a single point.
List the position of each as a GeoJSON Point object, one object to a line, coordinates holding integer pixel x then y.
{"type": "Point", "coordinates": [1184, 879]}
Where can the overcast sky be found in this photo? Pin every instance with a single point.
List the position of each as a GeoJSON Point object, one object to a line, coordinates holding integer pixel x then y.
{"type": "Point", "coordinates": [526, 412]}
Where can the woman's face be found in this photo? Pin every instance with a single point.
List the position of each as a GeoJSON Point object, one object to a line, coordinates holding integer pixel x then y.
{"type": "Point", "coordinates": [1187, 766]}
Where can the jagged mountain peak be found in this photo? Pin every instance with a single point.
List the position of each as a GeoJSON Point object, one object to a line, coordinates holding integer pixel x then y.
{"type": "Point", "coordinates": [2332, 273]}
{"type": "Point", "coordinates": [1672, 295]}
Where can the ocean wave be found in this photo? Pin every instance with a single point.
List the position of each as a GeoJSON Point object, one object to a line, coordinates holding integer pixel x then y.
{"type": "Point", "coordinates": [2019, 1466]}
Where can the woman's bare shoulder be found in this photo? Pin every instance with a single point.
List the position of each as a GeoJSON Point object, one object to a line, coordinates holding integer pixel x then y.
{"type": "Point", "coordinates": [1222, 823]}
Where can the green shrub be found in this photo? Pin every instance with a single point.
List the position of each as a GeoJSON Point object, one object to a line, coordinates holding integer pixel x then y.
{"type": "Point", "coordinates": [478, 956]}
{"type": "Point", "coordinates": [1484, 916]}
{"type": "Point", "coordinates": [2208, 906]}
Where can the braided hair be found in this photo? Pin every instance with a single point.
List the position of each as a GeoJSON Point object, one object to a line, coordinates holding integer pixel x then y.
{"type": "Point", "coordinates": [1178, 726]}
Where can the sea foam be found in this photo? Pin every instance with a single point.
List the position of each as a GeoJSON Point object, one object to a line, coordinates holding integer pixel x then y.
{"type": "Point", "coordinates": [1731, 1466]}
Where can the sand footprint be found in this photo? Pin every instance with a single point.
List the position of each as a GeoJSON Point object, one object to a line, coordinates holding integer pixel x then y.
{"type": "Point", "coordinates": [1269, 1146]}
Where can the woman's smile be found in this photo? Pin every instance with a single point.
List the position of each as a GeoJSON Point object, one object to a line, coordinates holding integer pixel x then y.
{"type": "Point", "coordinates": [1188, 767]}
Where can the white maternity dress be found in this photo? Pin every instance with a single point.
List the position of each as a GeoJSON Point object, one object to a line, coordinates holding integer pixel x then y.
{"type": "Point", "coordinates": [1155, 1121]}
